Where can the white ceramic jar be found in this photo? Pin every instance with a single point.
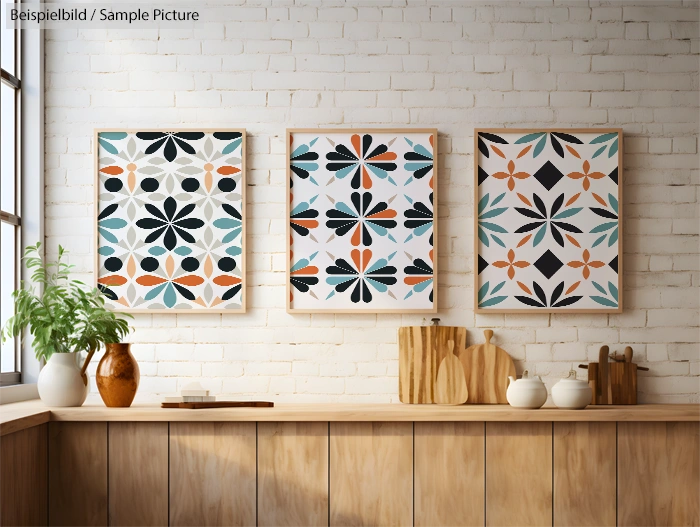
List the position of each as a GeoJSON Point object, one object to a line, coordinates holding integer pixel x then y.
{"type": "Point", "coordinates": [60, 382]}
{"type": "Point", "coordinates": [528, 392]}
{"type": "Point", "coordinates": [571, 393]}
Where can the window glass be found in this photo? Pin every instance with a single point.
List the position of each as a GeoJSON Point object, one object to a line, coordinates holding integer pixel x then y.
{"type": "Point", "coordinates": [7, 286]}
{"type": "Point", "coordinates": [7, 44]}
{"type": "Point", "coordinates": [7, 148]}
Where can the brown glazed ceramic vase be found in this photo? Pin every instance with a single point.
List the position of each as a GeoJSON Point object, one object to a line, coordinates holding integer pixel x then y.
{"type": "Point", "coordinates": [118, 375]}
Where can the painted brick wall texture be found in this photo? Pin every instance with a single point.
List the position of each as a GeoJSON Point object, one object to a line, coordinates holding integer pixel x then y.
{"type": "Point", "coordinates": [268, 65]}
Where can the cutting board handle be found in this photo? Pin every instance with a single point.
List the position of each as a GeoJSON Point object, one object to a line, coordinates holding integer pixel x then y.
{"type": "Point", "coordinates": [488, 334]}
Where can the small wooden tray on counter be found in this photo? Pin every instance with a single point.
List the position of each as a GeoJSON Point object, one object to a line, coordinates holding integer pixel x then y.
{"type": "Point", "coordinates": [220, 404]}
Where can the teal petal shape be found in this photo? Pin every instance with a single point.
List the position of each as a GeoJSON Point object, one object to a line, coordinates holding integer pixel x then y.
{"type": "Point", "coordinates": [113, 223]}
{"type": "Point", "coordinates": [603, 138]}
{"type": "Point", "coordinates": [483, 237]}
{"type": "Point", "coordinates": [382, 288]}
{"type": "Point", "coordinates": [493, 301]}
{"type": "Point", "coordinates": [170, 297]}
{"type": "Point", "coordinates": [227, 223]}
{"type": "Point", "coordinates": [108, 146]}
{"type": "Point", "coordinates": [107, 235]}
{"type": "Point", "coordinates": [493, 213]}
{"type": "Point", "coordinates": [498, 240]}
{"type": "Point", "coordinates": [113, 136]}
{"type": "Point", "coordinates": [335, 280]}
{"type": "Point", "coordinates": [155, 291]}
{"type": "Point", "coordinates": [231, 236]}
{"type": "Point", "coordinates": [482, 292]}
{"type": "Point", "coordinates": [105, 251]}
{"type": "Point", "coordinates": [613, 238]}
{"type": "Point", "coordinates": [299, 265]}
{"type": "Point", "coordinates": [300, 208]}
{"type": "Point", "coordinates": [604, 301]}
{"type": "Point", "coordinates": [540, 235]}
{"type": "Point", "coordinates": [540, 146]}
{"type": "Point", "coordinates": [157, 250]}
{"type": "Point", "coordinates": [529, 137]}
{"type": "Point", "coordinates": [599, 151]}
{"type": "Point", "coordinates": [613, 202]}
{"type": "Point", "coordinates": [419, 231]}
{"type": "Point", "coordinates": [182, 251]}
{"type": "Point", "coordinates": [231, 147]}
{"type": "Point", "coordinates": [498, 199]}
{"type": "Point", "coordinates": [377, 265]}
{"type": "Point", "coordinates": [613, 291]}
{"type": "Point", "coordinates": [482, 204]}
{"type": "Point", "coordinates": [493, 227]}
{"type": "Point", "coordinates": [234, 251]}
{"type": "Point", "coordinates": [598, 241]}
{"type": "Point", "coordinates": [422, 286]}
{"type": "Point", "coordinates": [567, 213]}
{"type": "Point", "coordinates": [340, 174]}
{"type": "Point", "coordinates": [604, 227]}
{"type": "Point", "coordinates": [342, 207]}
{"type": "Point", "coordinates": [498, 287]}
{"type": "Point", "coordinates": [599, 287]}
{"type": "Point", "coordinates": [613, 149]}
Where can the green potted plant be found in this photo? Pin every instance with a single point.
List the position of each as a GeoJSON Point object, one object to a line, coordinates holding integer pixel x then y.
{"type": "Point", "coordinates": [65, 317]}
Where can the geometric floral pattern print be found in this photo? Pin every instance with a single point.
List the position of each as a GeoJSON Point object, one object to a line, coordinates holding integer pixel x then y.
{"type": "Point", "coordinates": [548, 220]}
{"type": "Point", "coordinates": [361, 221]}
{"type": "Point", "coordinates": [170, 231]}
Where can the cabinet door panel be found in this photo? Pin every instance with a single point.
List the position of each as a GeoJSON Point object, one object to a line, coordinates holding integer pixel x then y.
{"type": "Point", "coordinates": [138, 473]}
{"type": "Point", "coordinates": [584, 474]}
{"type": "Point", "coordinates": [449, 474]}
{"type": "Point", "coordinates": [658, 474]}
{"type": "Point", "coordinates": [371, 474]}
{"type": "Point", "coordinates": [23, 477]}
{"type": "Point", "coordinates": [518, 474]}
{"type": "Point", "coordinates": [292, 474]}
{"type": "Point", "coordinates": [212, 473]}
{"type": "Point", "coordinates": [77, 473]}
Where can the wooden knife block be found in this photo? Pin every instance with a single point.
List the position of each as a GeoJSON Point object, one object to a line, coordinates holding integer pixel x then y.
{"type": "Point", "coordinates": [619, 386]}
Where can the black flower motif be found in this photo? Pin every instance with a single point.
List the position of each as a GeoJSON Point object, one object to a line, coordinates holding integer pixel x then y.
{"type": "Point", "coordinates": [361, 275]}
{"type": "Point", "coordinates": [539, 214]}
{"type": "Point", "coordinates": [171, 140]}
{"type": "Point", "coordinates": [379, 218]}
{"type": "Point", "coordinates": [419, 219]}
{"type": "Point", "coordinates": [170, 222]}
{"type": "Point", "coordinates": [363, 163]}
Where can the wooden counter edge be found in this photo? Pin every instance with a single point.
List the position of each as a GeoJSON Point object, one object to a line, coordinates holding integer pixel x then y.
{"type": "Point", "coordinates": [17, 416]}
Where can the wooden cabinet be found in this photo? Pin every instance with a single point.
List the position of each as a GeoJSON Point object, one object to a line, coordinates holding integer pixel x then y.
{"type": "Point", "coordinates": [351, 473]}
{"type": "Point", "coordinates": [371, 474]}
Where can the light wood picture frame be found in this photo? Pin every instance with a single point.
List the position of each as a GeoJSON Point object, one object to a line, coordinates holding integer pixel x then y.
{"type": "Point", "coordinates": [361, 229]}
{"type": "Point", "coordinates": [548, 227]}
{"type": "Point", "coordinates": [170, 219]}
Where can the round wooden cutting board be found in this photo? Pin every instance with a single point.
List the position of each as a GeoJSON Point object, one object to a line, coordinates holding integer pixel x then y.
{"type": "Point", "coordinates": [487, 368]}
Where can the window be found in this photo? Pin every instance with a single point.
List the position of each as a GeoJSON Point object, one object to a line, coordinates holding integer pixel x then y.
{"type": "Point", "coordinates": [10, 213]}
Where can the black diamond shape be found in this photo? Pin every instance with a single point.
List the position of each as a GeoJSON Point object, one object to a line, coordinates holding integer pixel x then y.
{"type": "Point", "coordinates": [548, 264]}
{"type": "Point", "coordinates": [613, 175]}
{"type": "Point", "coordinates": [548, 175]}
{"type": "Point", "coordinates": [483, 264]}
{"type": "Point", "coordinates": [613, 264]}
{"type": "Point", "coordinates": [482, 175]}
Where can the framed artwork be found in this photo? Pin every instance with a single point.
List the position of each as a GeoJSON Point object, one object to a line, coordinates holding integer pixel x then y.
{"type": "Point", "coordinates": [547, 228]}
{"type": "Point", "coordinates": [361, 235]}
{"type": "Point", "coordinates": [170, 220]}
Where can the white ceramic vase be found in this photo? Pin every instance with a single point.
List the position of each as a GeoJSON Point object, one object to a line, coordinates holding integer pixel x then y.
{"type": "Point", "coordinates": [60, 382]}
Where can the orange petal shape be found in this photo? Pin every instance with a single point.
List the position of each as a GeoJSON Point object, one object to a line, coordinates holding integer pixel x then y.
{"type": "Point", "coordinates": [599, 199]}
{"type": "Point", "coordinates": [586, 184]}
{"type": "Point", "coordinates": [309, 269]}
{"type": "Point", "coordinates": [386, 156]}
{"type": "Point", "coordinates": [575, 175]}
{"type": "Point", "coordinates": [131, 267]}
{"type": "Point", "coordinates": [521, 263]}
{"type": "Point", "coordinates": [586, 166]}
{"type": "Point", "coordinates": [431, 140]}
{"type": "Point", "coordinates": [586, 272]}
{"type": "Point", "coordinates": [227, 170]}
{"type": "Point", "coordinates": [208, 181]}
{"type": "Point", "coordinates": [413, 280]}
{"type": "Point", "coordinates": [511, 183]}
{"type": "Point", "coordinates": [572, 288]}
{"type": "Point", "coordinates": [356, 236]}
{"type": "Point", "coordinates": [500, 264]}
{"type": "Point", "coordinates": [150, 280]}
{"type": "Point", "coordinates": [596, 264]}
{"type": "Point", "coordinates": [574, 152]}
{"type": "Point", "coordinates": [226, 280]}
{"type": "Point", "coordinates": [355, 140]}
{"type": "Point", "coordinates": [355, 255]}
{"type": "Point", "coordinates": [524, 287]}
{"type": "Point", "coordinates": [576, 265]}
{"type": "Point", "coordinates": [511, 166]}
{"type": "Point", "coordinates": [366, 258]}
{"type": "Point", "coordinates": [131, 181]}
{"type": "Point", "coordinates": [388, 213]}
{"type": "Point", "coordinates": [596, 175]}
{"type": "Point", "coordinates": [524, 151]}
{"type": "Point", "coordinates": [113, 279]}
{"type": "Point", "coordinates": [309, 224]}
{"type": "Point", "coordinates": [511, 255]}
{"type": "Point", "coordinates": [112, 171]}
{"type": "Point", "coordinates": [524, 199]}
{"type": "Point", "coordinates": [170, 265]}
{"type": "Point", "coordinates": [190, 280]}
{"type": "Point", "coordinates": [524, 240]}
{"type": "Point", "coordinates": [521, 175]}
{"type": "Point", "coordinates": [366, 179]}
{"type": "Point", "coordinates": [511, 272]}
{"type": "Point", "coordinates": [572, 199]}
{"type": "Point", "coordinates": [572, 240]}
{"type": "Point", "coordinates": [500, 175]}
{"type": "Point", "coordinates": [586, 255]}
{"type": "Point", "coordinates": [208, 267]}
{"type": "Point", "coordinates": [498, 152]}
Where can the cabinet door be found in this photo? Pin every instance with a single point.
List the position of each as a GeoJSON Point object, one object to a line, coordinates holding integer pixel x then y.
{"type": "Point", "coordinates": [77, 473]}
{"type": "Point", "coordinates": [138, 473]}
{"type": "Point", "coordinates": [518, 474]}
{"type": "Point", "coordinates": [584, 474]}
{"type": "Point", "coordinates": [449, 474]}
{"type": "Point", "coordinates": [658, 474]}
{"type": "Point", "coordinates": [212, 473]}
{"type": "Point", "coordinates": [23, 477]}
{"type": "Point", "coordinates": [371, 474]}
{"type": "Point", "coordinates": [292, 474]}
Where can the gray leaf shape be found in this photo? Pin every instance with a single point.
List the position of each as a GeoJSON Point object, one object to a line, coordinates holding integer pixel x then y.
{"type": "Point", "coordinates": [234, 197]}
{"type": "Point", "coordinates": [157, 197]}
{"type": "Point", "coordinates": [208, 293]}
{"type": "Point", "coordinates": [208, 235]}
{"type": "Point", "coordinates": [156, 161]}
{"type": "Point", "coordinates": [140, 155]}
{"type": "Point", "coordinates": [138, 302]}
{"type": "Point", "coordinates": [182, 306]}
{"type": "Point", "coordinates": [123, 245]}
{"type": "Point", "coordinates": [106, 196]}
{"type": "Point", "coordinates": [200, 244]}
{"type": "Point", "coordinates": [190, 170]}
{"type": "Point", "coordinates": [234, 160]}
{"type": "Point", "coordinates": [156, 306]}
{"type": "Point", "coordinates": [183, 161]}
{"type": "Point", "coordinates": [216, 245]}
{"type": "Point", "coordinates": [131, 211]}
{"type": "Point", "coordinates": [208, 211]}
{"type": "Point", "coordinates": [105, 161]}
{"type": "Point", "coordinates": [148, 170]}
{"type": "Point", "coordinates": [131, 236]}
{"type": "Point", "coordinates": [169, 184]}
{"type": "Point", "coordinates": [208, 146]}
{"type": "Point", "coordinates": [140, 244]}
{"type": "Point", "coordinates": [131, 148]}
{"type": "Point", "coordinates": [232, 306]}
{"type": "Point", "coordinates": [131, 293]}
{"type": "Point", "coordinates": [183, 197]}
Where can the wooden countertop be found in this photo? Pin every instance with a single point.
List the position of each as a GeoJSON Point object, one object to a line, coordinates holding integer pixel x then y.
{"type": "Point", "coordinates": [14, 417]}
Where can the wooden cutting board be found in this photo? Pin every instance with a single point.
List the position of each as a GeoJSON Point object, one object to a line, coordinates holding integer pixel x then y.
{"type": "Point", "coordinates": [450, 384]}
{"type": "Point", "coordinates": [487, 368]}
{"type": "Point", "coordinates": [421, 350]}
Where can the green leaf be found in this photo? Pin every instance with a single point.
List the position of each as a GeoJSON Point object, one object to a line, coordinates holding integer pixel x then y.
{"type": "Point", "coordinates": [482, 204]}
{"type": "Point", "coordinates": [493, 227]}
{"type": "Point", "coordinates": [482, 292]}
{"type": "Point", "coordinates": [529, 137]}
{"type": "Point", "coordinates": [493, 301]}
{"type": "Point", "coordinates": [540, 235]}
{"type": "Point", "coordinates": [613, 238]}
{"type": "Point", "coordinates": [613, 202]}
{"type": "Point", "coordinates": [613, 149]}
{"type": "Point", "coordinates": [604, 227]}
{"type": "Point", "coordinates": [498, 240]}
{"type": "Point", "coordinates": [540, 146]}
{"type": "Point", "coordinates": [493, 213]}
{"type": "Point", "coordinates": [108, 146]}
{"type": "Point", "coordinates": [598, 241]}
{"type": "Point", "coordinates": [483, 237]}
{"type": "Point", "coordinates": [613, 290]}
{"type": "Point", "coordinates": [498, 287]}
{"type": "Point", "coordinates": [113, 136]}
{"type": "Point", "coordinates": [599, 151]}
{"type": "Point", "coordinates": [603, 138]}
{"type": "Point", "coordinates": [567, 213]}
{"type": "Point", "coordinates": [107, 235]}
{"type": "Point", "coordinates": [599, 287]}
{"type": "Point", "coordinates": [113, 223]}
{"type": "Point", "coordinates": [604, 301]}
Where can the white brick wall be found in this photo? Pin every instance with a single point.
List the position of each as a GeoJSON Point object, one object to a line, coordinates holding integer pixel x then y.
{"type": "Point", "coordinates": [271, 64]}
